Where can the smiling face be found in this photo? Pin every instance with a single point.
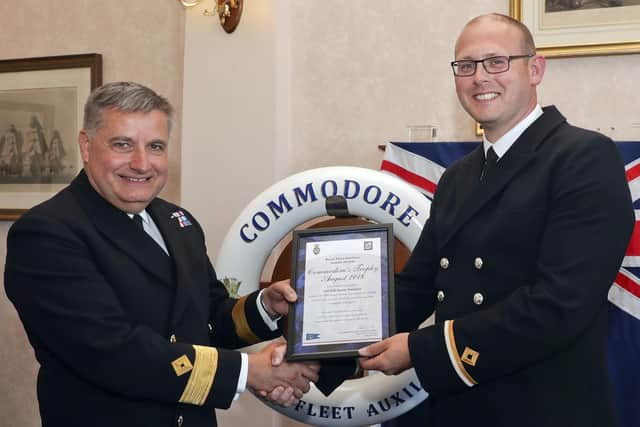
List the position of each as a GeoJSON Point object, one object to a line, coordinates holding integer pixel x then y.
{"type": "Point", "coordinates": [126, 160]}
{"type": "Point", "coordinates": [497, 101]}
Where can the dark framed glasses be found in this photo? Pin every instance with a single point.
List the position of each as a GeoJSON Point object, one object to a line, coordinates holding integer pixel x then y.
{"type": "Point", "coordinates": [492, 65]}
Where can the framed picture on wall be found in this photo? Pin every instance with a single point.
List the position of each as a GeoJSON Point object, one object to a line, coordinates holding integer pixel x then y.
{"type": "Point", "coordinates": [565, 28]}
{"type": "Point", "coordinates": [41, 103]}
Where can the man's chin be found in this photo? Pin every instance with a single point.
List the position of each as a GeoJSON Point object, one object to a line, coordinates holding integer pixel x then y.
{"type": "Point", "coordinates": [133, 204]}
{"type": "Point", "coordinates": [480, 115]}
{"type": "Point", "coordinates": [132, 208]}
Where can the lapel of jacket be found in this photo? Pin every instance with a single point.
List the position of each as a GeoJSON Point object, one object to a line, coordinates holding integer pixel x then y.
{"type": "Point", "coordinates": [476, 194]}
{"type": "Point", "coordinates": [117, 227]}
{"type": "Point", "coordinates": [175, 238]}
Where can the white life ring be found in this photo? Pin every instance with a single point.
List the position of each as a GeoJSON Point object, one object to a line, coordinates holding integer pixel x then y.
{"type": "Point", "coordinates": [293, 201]}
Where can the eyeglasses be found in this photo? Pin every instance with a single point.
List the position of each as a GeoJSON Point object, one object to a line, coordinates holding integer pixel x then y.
{"type": "Point", "coordinates": [492, 65]}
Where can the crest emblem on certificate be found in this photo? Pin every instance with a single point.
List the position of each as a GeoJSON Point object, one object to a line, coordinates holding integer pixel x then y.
{"type": "Point", "coordinates": [316, 249]}
{"type": "Point", "coordinates": [368, 245]}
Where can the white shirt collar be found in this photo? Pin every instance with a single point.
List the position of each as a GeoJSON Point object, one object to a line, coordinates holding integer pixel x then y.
{"type": "Point", "coordinates": [502, 145]}
{"type": "Point", "coordinates": [143, 214]}
{"type": "Point", "coordinates": [151, 229]}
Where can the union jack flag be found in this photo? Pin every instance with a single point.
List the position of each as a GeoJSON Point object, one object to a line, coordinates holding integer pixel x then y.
{"type": "Point", "coordinates": [422, 165]}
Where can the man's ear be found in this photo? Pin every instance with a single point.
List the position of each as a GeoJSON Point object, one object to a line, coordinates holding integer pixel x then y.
{"type": "Point", "coordinates": [536, 68]}
{"type": "Point", "coordinates": [83, 143]}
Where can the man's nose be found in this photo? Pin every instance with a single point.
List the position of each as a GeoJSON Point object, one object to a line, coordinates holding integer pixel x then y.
{"type": "Point", "coordinates": [481, 74]}
{"type": "Point", "coordinates": [139, 160]}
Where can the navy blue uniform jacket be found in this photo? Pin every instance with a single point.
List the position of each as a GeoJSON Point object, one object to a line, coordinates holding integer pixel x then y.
{"type": "Point", "coordinates": [113, 320]}
{"type": "Point", "coordinates": [517, 268]}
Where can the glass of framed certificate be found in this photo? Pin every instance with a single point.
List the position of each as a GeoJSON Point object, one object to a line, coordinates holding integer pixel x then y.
{"type": "Point", "coordinates": [344, 280]}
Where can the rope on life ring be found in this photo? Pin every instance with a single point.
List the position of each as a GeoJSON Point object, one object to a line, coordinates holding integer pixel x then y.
{"type": "Point", "coordinates": [294, 200]}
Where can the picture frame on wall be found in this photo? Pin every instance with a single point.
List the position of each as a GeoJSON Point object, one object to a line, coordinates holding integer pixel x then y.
{"type": "Point", "coordinates": [41, 110]}
{"type": "Point", "coordinates": [565, 28]}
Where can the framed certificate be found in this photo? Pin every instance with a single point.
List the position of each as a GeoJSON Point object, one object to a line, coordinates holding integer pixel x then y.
{"type": "Point", "coordinates": [344, 280]}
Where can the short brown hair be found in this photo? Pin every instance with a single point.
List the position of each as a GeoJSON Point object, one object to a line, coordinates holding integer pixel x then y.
{"type": "Point", "coordinates": [528, 44]}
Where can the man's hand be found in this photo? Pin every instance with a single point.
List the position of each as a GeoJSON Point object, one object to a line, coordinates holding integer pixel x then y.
{"type": "Point", "coordinates": [390, 356]}
{"type": "Point", "coordinates": [280, 381]}
{"type": "Point", "coordinates": [276, 298]}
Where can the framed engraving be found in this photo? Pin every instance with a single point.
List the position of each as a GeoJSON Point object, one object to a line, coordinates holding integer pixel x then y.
{"type": "Point", "coordinates": [344, 280]}
{"type": "Point", "coordinates": [41, 103]}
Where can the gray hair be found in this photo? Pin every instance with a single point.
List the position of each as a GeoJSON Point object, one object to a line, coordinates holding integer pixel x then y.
{"type": "Point", "coordinates": [126, 97]}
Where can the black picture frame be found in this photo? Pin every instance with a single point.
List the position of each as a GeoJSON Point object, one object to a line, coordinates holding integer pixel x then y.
{"type": "Point", "coordinates": [341, 292]}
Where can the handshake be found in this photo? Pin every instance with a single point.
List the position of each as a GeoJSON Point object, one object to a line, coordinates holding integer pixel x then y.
{"type": "Point", "coordinates": [281, 382]}
{"type": "Point", "coordinates": [285, 383]}
{"type": "Point", "coordinates": [270, 376]}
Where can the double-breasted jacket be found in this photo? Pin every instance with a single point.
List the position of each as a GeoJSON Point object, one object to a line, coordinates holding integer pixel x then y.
{"type": "Point", "coordinates": [517, 268]}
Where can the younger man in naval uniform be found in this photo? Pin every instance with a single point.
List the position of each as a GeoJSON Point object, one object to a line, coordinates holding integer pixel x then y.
{"type": "Point", "coordinates": [525, 237]}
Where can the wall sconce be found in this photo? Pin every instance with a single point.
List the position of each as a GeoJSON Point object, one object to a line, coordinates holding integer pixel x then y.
{"type": "Point", "coordinates": [227, 11]}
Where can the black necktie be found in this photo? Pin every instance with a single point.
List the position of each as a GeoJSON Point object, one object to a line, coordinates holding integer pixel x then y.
{"type": "Point", "coordinates": [137, 220]}
{"type": "Point", "coordinates": [489, 163]}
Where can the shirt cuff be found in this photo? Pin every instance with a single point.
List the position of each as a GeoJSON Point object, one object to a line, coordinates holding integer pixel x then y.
{"type": "Point", "coordinates": [242, 378]}
{"type": "Point", "coordinates": [271, 323]}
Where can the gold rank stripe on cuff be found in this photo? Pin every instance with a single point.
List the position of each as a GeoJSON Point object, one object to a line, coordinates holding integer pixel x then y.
{"type": "Point", "coordinates": [201, 378]}
{"type": "Point", "coordinates": [454, 356]}
{"type": "Point", "coordinates": [240, 321]}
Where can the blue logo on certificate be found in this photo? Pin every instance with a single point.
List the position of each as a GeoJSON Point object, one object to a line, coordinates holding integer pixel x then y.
{"type": "Point", "coordinates": [313, 336]}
